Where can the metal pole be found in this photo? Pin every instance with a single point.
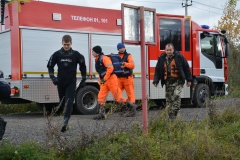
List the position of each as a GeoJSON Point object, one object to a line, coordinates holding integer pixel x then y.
{"type": "Point", "coordinates": [186, 5]}
{"type": "Point", "coordinates": [143, 73]}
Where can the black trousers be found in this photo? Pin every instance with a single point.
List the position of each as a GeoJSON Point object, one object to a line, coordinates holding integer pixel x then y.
{"type": "Point", "coordinates": [68, 93]}
{"type": "Point", "coordinates": [2, 127]}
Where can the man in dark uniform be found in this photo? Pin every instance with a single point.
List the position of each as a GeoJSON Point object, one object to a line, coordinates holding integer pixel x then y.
{"type": "Point", "coordinates": [5, 92]}
{"type": "Point", "coordinates": [172, 69]}
{"type": "Point", "coordinates": [66, 59]}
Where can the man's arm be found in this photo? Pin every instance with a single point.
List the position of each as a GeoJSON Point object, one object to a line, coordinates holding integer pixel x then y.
{"type": "Point", "coordinates": [130, 62]}
{"type": "Point", "coordinates": [51, 63]}
{"type": "Point", "coordinates": [157, 74]}
{"type": "Point", "coordinates": [82, 66]}
{"type": "Point", "coordinates": [186, 70]}
{"type": "Point", "coordinates": [109, 67]}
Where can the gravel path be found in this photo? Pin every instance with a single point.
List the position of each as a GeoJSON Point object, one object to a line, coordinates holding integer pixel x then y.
{"type": "Point", "coordinates": [34, 126]}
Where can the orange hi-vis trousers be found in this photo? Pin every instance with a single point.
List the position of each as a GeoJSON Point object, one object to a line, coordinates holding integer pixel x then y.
{"type": "Point", "coordinates": [110, 85]}
{"type": "Point", "coordinates": [127, 83]}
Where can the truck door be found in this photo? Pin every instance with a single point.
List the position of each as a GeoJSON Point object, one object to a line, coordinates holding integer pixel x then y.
{"type": "Point", "coordinates": [211, 61]}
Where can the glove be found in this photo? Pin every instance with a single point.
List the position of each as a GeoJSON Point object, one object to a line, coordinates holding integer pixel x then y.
{"type": "Point", "coordinates": [155, 83]}
{"type": "Point", "coordinates": [82, 83]}
{"type": "Point", "coordinates": [55, 80]}
{"type": "Point", "coordinates": [103, 81]}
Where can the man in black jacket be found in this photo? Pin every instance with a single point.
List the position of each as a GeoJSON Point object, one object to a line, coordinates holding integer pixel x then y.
{"type": "Point", "coordinates": [172, 69]}
{"type": "Point", "coordinates": [66, 59]}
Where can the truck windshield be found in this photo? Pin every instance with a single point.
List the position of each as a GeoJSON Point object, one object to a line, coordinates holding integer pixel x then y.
{"type": "Point", "coordinates": [170, 32]}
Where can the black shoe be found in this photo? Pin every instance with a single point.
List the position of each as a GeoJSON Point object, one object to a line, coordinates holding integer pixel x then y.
{"type": "Point", "coordinates": [100, 116]}
{"type": "Point", "coordinates": [173, 115]}
{"type": "Point", "coordinates": [64, 128]}
{"type": "Point", "coordinates": [123, 110]}
{"type": "Point", "coordinates": [133, 109]}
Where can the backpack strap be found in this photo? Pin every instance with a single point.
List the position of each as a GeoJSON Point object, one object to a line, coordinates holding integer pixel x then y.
{"type": "Point", "coordinates": [125, 57]}
{"type": "Point", "coordinates": [100, 59]}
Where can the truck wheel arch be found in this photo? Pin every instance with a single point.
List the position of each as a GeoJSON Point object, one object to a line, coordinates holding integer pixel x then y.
{"type": "Point", "coordinates": [206, 80]}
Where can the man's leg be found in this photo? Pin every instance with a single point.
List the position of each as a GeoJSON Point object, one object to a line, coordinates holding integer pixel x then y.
{"type": "Point", "coordinates": [2, 127]}
{"type": "Point", "coordinates": [102, 101]}
{"type": "Point", "coordinates": [173, 98]}
{"type": "Point", "coordinates": [115, 90]}
{"type": "Point", "coordinates": [169, 89]}
{"type": "Point", "coordinates": [61, 95]}
{"type": "Point", "coordinates": [129, 87]}
{"type": "Point", "coordinates": [177, 99]}
{"type": "Point", "coordinates": [68, 106]}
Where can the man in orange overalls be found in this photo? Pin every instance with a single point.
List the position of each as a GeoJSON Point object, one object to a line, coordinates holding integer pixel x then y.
{"type": "Point", "coordinates": [126, 80]}
{"type": "Point", "coordinates": [108, 82]}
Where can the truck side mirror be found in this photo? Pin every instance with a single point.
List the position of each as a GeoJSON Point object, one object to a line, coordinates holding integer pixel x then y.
{"type": "Point", "coordinates": [225, 40]}
{"type": "Point", "coordinates": [226, 46]}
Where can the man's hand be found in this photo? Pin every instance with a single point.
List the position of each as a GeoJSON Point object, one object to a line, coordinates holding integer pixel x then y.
{"type": "Point", "coordinates": [123, 65]}
{"type": "Point", "coordinates": [189, 84]}
{"type": "Point", "coordinates": [103, 81]}
{"type": "Point", "coordinates": [55, 80]}
{"type": "Point", "coordinates": [82, 83]}
{"type": "Point", "coordinates": [155, 83]}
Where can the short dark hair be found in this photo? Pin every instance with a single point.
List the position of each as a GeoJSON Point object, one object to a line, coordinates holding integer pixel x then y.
{"type": "Point", "coordinates": [169, 44]}
{"type": "Point", "coordinates": [66, 38]}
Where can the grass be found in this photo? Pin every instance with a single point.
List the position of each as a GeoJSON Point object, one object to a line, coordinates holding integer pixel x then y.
{"type": "Point", "coordinates": [18, 108]}
{"type": "Point", "coordinates": [216, 137]}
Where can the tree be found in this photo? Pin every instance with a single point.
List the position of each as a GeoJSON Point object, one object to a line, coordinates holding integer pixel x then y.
{"type": "Point", "coordinates": [230, 21]}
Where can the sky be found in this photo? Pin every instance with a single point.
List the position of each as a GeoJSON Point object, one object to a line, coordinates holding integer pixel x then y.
{"type": "Point", "coordinates": [204, 12]}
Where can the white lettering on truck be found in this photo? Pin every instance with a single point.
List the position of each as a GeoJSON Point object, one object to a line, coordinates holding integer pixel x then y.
{"type": "Point", "coordinates": [89, 19]}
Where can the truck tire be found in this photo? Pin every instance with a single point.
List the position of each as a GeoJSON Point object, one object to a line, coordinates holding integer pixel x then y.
{"type": "Point", "coordinates": [86, 100]}
{"type": "Point", "coordinates": [201, 94]}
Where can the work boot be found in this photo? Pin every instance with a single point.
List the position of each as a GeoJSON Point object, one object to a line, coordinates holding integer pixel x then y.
{"type": "Point", "coordinates": [172, 115]}
{"type": "Point", "coordinates": [133, 109]}
{"type": "Point", "coordinates": [64, 128]}
{"type": "Point", "coordinates": [123, 110]}
{"type": "Point", "coordinates": [102, 114]}
{"type": "Point", "coordinates": [65, 124]}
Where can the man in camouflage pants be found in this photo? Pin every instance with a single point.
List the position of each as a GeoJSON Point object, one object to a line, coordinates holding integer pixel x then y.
{"type": "Point", "coordinates": [172, 69]}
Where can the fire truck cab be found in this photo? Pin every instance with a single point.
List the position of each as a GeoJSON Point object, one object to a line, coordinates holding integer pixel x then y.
{"type": "Point", "coordinates": [204, 49]}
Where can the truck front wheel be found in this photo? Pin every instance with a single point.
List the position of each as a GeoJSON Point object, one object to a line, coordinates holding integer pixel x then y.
{"type": "Point", "coordinates": [86, 100]}
{"type": "Point", "coordinates": [201, 94]}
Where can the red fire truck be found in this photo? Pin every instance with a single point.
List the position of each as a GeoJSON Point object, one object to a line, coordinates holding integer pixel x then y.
{"type": "Point", "coordinates": [32, 32]}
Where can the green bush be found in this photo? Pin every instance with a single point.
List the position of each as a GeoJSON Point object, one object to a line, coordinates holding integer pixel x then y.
{"type": "Point", "coordinates": [217, 137]}
{"type": "Point", "coordinates": [18, 108]}
{"type": "Point", "coordinates": [26, 151]}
